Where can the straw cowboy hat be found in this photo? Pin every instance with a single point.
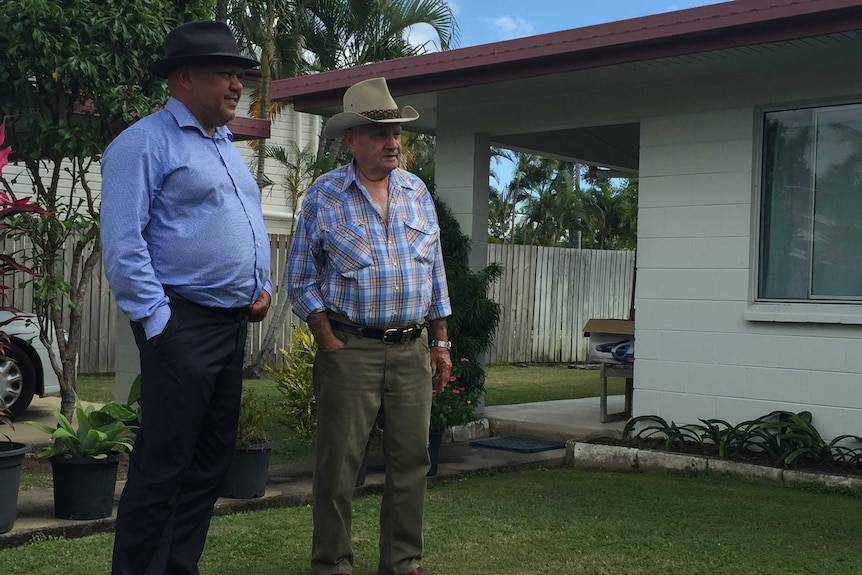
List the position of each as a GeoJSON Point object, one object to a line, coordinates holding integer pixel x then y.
{"type": "Point", "coordinates": [368, 102]}
{"type": "Point", "coordinates": [198, 42]}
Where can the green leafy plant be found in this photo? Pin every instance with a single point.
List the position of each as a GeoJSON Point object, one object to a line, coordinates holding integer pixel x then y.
{"type": "Point", "coordinates": [457, 403]}
{"type": "Point", "coordinates": [784, 438]}
{"type": "Point", "coordinates": [656, 427]}
{"type": "Point", "coordinates": [254, 414]}
{"type": "Point", "coordinates": [133, 403]}
{"type": "Point", "coordinates": [842, 453]}
{"type": "Point", "coordinates": [474, 315]}
{"type": "Point", "coordinates": [787, 438]}
{"type": "Point", "coordinates": [719, 433]}
{"type": "Point", "coordinates": [99, 431]}
{"type": "Point", "coordinates": [294, 381]}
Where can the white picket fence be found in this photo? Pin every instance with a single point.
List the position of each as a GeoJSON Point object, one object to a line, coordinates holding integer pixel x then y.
{"type": "Point", "coordinates": [546, 294]}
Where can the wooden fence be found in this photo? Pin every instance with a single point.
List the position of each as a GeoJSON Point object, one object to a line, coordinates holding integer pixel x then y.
{"type": "Point", "coordinates": [547, 295]}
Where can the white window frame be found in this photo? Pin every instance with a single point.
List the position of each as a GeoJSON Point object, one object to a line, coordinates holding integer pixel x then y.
{"type": "Point", "coordinates": [814, 310]}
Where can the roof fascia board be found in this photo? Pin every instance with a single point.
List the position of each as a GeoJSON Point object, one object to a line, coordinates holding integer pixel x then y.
{"type": "Point", "coordinates": [708, 28]}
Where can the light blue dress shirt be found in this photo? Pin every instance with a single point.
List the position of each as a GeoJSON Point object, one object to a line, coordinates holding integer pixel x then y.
{"type": "Point", "coordinates": [180, 210]}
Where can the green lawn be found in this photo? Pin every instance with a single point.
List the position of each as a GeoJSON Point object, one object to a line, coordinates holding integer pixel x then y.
{"type": "Point", "coordinates": [537, 522]}
{"type": "Point", "coordinates": [510, 384]}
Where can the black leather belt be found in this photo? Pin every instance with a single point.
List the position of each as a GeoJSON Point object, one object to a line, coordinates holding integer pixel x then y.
{"type": "Point", "coordinates": [391, 335]}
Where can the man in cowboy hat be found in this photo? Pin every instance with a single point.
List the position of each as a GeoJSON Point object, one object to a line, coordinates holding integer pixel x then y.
{"type": "Point", "coordinates": [187, 256]}
{"type": "Point", "coordinates": [366, 272]}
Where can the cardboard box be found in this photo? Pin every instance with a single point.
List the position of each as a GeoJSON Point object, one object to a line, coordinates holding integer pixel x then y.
{"type": "Point", "coordinates": [611, 340]}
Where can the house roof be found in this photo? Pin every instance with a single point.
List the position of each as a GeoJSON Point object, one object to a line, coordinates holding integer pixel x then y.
{"type": "Point", "coordinates": [713, 28]}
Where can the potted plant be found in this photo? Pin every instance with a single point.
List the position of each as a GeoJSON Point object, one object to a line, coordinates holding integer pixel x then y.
{"type": "Point", "coordinates": [247, 474]}
{"type": "Point", "coordinates": [455, 405]}
{"type": "Point", "coordinates": [11, 458]}
{"type": "Point", "coordinates": [84, 458]}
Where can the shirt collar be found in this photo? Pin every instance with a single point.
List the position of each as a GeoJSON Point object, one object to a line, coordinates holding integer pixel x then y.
{"type": "Point", "coordinates": [396, 178]}
{"type": "Point", "coordinates": [185, 119]}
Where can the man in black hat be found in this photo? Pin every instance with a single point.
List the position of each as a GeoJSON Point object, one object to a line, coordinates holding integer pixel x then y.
{"type": "Point", "coordinates": [187, 256]}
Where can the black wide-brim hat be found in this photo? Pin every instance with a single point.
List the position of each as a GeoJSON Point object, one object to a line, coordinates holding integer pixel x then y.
{"type": "Point", "coordinates": [199, 42]}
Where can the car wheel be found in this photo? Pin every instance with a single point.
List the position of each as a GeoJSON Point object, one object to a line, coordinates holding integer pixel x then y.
{"type": "Point", "coordinates": [17, 380]}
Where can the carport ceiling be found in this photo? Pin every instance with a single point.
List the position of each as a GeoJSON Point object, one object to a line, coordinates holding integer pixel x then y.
{"type": "Point", "coordinates": [614, 146]}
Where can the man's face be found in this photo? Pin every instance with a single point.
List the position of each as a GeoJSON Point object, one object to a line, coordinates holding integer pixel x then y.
{"type": "Point", "coordinates": [213, 93]}
{"type": "Point", "coordinates": [376, 147]}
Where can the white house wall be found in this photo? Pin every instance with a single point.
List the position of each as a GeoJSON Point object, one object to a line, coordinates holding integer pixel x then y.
{"type": "Point", "coordinates": [698, 356]}
{"type": "Point", "coordinates": [704, 350]}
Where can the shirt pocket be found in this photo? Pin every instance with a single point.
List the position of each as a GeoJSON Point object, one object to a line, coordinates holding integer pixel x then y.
{"type": "Point", "coordinates": [422, 236]}
{"type": "Point", "coordinates": [348, 249]}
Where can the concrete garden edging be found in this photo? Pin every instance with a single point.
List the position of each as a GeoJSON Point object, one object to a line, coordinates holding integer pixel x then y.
{"type": "Point", "coordinates": [476, 429]}
{"type": "Point", "coordinates": [617, 458]}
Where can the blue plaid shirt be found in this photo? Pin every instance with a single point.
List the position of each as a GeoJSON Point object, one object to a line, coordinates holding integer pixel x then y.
{"type": "Point", "coordinates": [180, 210]}
{"type": "Point", "coordinates": [344, 257]}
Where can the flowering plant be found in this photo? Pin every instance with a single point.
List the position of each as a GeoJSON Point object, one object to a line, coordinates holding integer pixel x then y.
{"type": "Point", "coordinates": [457, 403]}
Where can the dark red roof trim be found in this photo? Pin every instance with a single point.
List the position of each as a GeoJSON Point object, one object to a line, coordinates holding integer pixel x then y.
{"type": "Point", "coordinates": [249, 128]}
{"type": "Point", "coordinates": [708, 28]}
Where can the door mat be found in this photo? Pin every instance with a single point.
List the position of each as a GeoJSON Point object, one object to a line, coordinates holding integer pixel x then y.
{"type": "Point", "coordinates": [519, 444]}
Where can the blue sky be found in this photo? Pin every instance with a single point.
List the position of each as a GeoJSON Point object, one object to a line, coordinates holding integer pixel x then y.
{"type": "Point", "coordinates": [486, 21]}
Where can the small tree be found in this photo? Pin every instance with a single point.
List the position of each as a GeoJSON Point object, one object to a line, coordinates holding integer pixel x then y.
{"type": "Point", "coordinates": [73, 74]}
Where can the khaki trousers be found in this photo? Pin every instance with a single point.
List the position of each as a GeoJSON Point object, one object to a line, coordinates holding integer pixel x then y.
{"type": "Point", "coordinates": [351, 386]}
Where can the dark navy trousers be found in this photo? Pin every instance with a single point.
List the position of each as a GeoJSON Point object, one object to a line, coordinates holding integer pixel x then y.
{"type": "Point", "coordinates": [191, 383]}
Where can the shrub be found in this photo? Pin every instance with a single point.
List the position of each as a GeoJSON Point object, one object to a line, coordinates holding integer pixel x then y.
{"type": "Point", "coordinates": [786, 439]}
{"type": "Point", "coordinates": [294, 381]}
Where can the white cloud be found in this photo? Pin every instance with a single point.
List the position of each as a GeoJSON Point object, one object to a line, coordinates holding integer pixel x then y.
{"type": "Point", "coordinates": [422, 33]}
{"type": "Point", "coordinates": [509, 27]}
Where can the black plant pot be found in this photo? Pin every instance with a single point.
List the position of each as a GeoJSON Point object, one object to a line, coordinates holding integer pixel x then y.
{"type": "Point", "coordinates": [11, 458]}
{"type": "Point", "coordinates": [435, 438]}
{"type": "Point", "coordinates": [84, 487]}
{"type": "Point", "coordinates": [246, 476]}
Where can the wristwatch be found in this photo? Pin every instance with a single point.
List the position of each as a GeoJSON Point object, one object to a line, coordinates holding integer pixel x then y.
{"type": "Point", "coordinates": [439, 343]}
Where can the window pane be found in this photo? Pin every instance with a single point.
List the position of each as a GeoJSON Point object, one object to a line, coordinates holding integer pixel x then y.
{"type": "Point", "coordinates": [785, 250]}
{"type": "Point", "coordinates": [837, 240]}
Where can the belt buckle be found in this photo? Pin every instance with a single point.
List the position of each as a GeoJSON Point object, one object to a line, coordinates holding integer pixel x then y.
{"type": "Point", "coordinates": [403, 333]}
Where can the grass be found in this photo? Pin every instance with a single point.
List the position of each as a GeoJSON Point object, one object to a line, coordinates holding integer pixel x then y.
{"type": "Point", "coordinates": [509, 384]}
{"type": "Point", "coordinates": [540, 522]}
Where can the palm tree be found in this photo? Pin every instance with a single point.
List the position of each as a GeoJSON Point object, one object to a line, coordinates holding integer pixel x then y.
{"type": "Point", "coordinates": [610, 216]}
{"type": "Point", "coordinates": [348, 33]}
{"type": "Point", "coordinates": [272, 31]}
{"type": "Point", "coordinates": [553, 203]}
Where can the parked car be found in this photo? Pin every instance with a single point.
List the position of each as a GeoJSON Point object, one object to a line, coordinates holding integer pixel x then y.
{"type": "Point", "coordinates": [25, 368]}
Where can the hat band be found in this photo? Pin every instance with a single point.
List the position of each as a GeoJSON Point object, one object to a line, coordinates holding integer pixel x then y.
{"type": "Point", "coordinates": [381, 114]}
